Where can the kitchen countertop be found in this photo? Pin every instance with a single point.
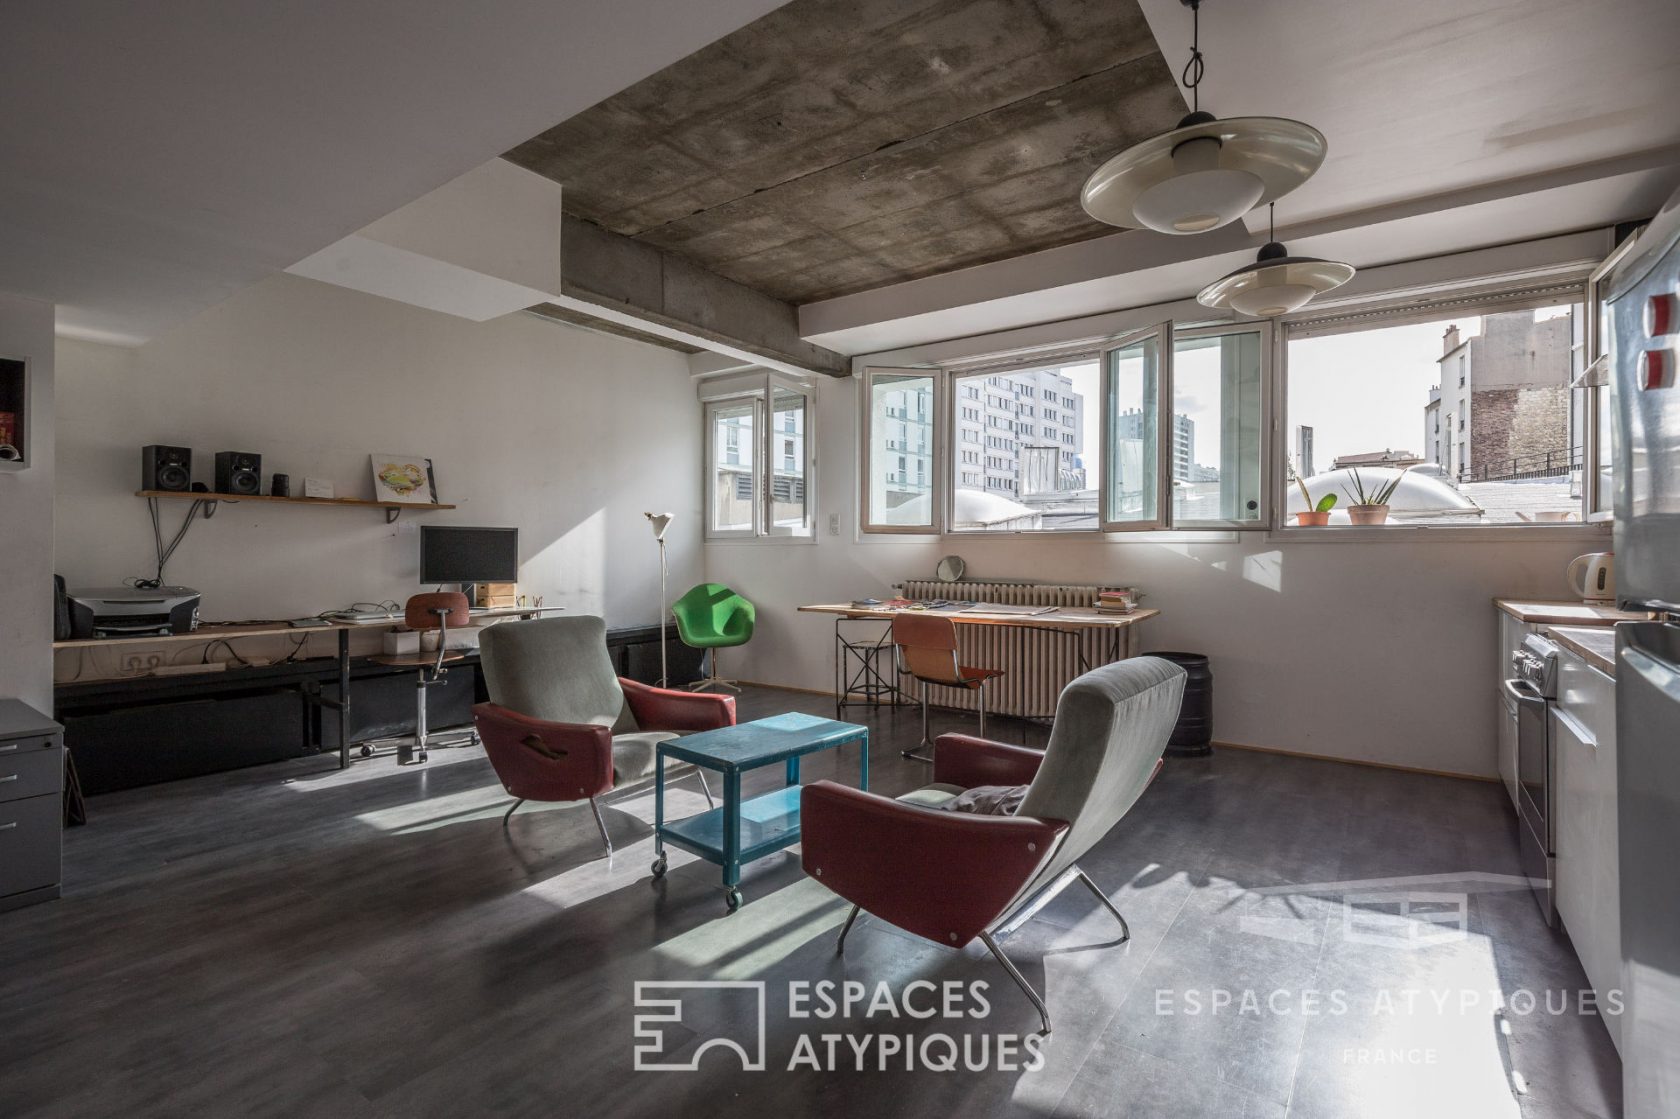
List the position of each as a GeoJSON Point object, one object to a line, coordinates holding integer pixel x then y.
{"type": "Point", "coordinates": [1568, 613]}
{"type": "Point", "coordinates": [1594, 644]}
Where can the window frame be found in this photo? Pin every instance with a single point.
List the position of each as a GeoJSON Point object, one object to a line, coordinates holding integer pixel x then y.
{"type": "Point", "coordinates": [1269, 420]}
{"type": "Point", "coordinates": [938, 455]}
{"type": "Point", "coordinates": [1165, 337]}
{"type": "Point", "coordinates": [1481, 297]}
{"type": "Point", "coordinates": [760, 388]}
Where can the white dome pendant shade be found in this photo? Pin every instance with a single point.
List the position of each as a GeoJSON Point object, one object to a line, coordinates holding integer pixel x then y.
{"type": "Point", "coordinates": [1206, 172]}
{"type": "Point", "coordinates": [1275, 284]}
{"type": "Point", "coordinates": [1203, 174]}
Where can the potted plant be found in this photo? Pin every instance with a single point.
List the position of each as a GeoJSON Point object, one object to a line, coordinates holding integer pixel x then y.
{"type": "Point", "coordinates": [1370, 507]}
{"type": "Point", "coordinates": [1315, 513]}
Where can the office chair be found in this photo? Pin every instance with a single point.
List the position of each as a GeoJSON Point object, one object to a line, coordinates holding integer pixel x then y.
{"type": "Point", "coordinates": [711, 616]}
{"type": "Point", "coordinates": [425, 613]}
{"type": "Point", "coordinates": [927, 650]}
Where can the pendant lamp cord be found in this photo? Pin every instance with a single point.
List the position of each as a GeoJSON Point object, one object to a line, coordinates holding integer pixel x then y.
{"type": "Point", "coordinates": [1271, 221]}
{"type": "Point", "coordinates": [1192, 76]}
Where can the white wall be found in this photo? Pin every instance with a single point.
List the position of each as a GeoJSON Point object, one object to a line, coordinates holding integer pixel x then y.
{"type": "Point", "coordinates": [26, 515]}
{"type": "Point", "coordinates": [1380, 652]}
{"type": "Point", "coordinates": [568, 434]}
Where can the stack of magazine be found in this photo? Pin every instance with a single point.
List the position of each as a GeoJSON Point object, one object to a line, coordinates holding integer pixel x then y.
{"type": "Point", "coordinates": [1119, 600]}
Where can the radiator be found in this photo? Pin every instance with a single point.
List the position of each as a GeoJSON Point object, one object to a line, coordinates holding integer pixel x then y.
{"type": "Point", "coordinates": [1037, 664]}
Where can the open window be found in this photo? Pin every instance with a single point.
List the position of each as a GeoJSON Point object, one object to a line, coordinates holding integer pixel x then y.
{"type": "Point", "coordinates": [759, 457]}
{"type": "Point", "coordinates": [899, 486]}
{"type": "Point", "coordinates": [1151, 429]}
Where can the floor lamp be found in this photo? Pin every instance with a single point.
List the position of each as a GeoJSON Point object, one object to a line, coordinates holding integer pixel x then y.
{"type": "Point", "coordinates": [660, 521]}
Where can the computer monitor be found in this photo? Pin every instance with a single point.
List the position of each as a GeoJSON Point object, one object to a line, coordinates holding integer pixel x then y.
{"type": "Point", "coordinates": [455, 554]}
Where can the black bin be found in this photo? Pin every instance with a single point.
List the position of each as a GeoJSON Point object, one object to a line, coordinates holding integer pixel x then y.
{"type": "Point", "coordinates": [1193, 736]}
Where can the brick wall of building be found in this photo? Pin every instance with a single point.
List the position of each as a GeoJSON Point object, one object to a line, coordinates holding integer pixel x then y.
{"type": "Point", "coordinates": [1518, 423]}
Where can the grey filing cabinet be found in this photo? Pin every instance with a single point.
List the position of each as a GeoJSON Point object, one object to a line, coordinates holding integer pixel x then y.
{"type": "Point", "coordinates": [31, 805]}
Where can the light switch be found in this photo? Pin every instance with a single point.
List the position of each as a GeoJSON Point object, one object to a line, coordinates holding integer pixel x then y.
{"type": "Point", "coordinates": [834, 524]}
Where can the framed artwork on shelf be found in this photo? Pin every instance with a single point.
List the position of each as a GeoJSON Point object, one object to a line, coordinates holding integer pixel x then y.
{"type": "Point", "coordinates": [403, 478]}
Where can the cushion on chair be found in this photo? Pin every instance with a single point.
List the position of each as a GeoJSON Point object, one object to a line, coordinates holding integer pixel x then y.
{"type": "Point", "coordinates": [557, 669]}
{"type": "Point", "coordinates": [932, 796]}
{"type": "Point", "coordinates": [636, 755]}
{"type": "Point", "coordinates": [987, 800]}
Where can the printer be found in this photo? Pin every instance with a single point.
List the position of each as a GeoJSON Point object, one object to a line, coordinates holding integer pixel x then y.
{"type": "Point", "coordinates": [133, 611]}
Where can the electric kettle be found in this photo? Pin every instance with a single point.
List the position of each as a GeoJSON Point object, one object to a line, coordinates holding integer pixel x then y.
{"type": "Point", "coordinates": [1593, 576]}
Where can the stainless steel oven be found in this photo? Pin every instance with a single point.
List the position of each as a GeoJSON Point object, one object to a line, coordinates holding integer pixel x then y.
{"type": "Point", "coordinates": [1533, 687]}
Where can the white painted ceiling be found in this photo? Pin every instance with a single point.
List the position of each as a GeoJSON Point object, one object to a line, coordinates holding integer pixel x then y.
{"type": "Point", "coordinates": [156, 158]}
{"type": "Point", "coordinates": [1452, 124]}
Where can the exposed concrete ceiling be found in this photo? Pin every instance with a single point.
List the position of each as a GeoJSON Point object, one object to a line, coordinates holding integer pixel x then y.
{"type": "Point", "coordinates": [834, 147]}
{"type": "Point", "coordinates": [153, 160]}
{"type": "Point", "coordinates": [1452, 125]}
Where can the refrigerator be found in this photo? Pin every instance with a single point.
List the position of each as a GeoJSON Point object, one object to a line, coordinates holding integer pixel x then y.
{"type": "Point", "coordinates": [1643, 347]}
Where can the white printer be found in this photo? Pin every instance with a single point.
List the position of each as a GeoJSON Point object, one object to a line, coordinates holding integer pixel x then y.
{"type": "Point", "coordinates": [133, 611]}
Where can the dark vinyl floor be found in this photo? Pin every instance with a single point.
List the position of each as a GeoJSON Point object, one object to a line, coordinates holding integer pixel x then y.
{"type": "Point", "coordinates": [292, 940]}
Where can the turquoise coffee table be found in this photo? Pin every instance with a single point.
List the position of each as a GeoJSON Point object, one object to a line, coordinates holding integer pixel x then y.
{"type": "Point", "coordinates": [740, 831]}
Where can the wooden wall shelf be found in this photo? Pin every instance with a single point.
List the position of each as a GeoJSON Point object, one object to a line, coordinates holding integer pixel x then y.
{"type": "Point", "coordinates": [393, 509]}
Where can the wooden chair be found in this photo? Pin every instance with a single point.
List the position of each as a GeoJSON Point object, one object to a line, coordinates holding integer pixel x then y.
{"type": "Point", "coordinates": [927, 650]}
{"type": "Point", "coordinates": [426, 613]}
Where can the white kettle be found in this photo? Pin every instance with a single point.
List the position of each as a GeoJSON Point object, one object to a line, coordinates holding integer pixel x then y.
{"type": "Point", "coordinates": [1593, 576]}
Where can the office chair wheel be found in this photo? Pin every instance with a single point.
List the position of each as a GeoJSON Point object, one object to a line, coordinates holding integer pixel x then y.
{"type": "Point", "coordinates": [732, 899]}
{"type": "Point", "coordinates": [659, 865]}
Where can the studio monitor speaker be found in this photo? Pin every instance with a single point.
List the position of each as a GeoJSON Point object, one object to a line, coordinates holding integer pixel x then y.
{"type": "Point", "coordinates": [166, 468]}
{"type": "Point", "coordinates": [238, 472]}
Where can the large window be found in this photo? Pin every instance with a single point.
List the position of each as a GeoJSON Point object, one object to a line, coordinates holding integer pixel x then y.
{"type": "Point", "coordinates": [1146, 430]}
{"type": "Point", "coordinates": [758, 457]}
{"type": "Point", "coordinates": [1042, 472]}
{"type": "Point", "coordinates": [1469, 415]}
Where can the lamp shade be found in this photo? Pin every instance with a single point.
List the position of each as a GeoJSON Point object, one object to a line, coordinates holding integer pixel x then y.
{"type": "Point", "coordinates": [659, 521]}
{"type": "Point", "coordinates": [1203, 174]}
{"type": "Point", "coordinates": [1275, 284]}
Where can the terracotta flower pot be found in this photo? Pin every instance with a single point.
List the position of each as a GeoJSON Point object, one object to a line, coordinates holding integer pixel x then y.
{"type": "Point", "coordinates": [1367, 514]}
{"type": "Point", "coordinates": [1312, 517]}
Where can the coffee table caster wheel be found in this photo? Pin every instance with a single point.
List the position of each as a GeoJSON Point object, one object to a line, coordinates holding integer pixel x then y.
{"type": "Point", "coordinates": [367, 751]}
{"type": "Point", "coordinates": [659, 866]}
{"type": "Point", "coordinates": [422, 755]}
{"type": "Point", "coordinates": [732, 899]}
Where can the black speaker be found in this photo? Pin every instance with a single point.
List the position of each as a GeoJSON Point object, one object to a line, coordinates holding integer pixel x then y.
{"type": "Point", "coordinates": [166, 468]}
{"type": "Point", "coordinates": [238, 472]}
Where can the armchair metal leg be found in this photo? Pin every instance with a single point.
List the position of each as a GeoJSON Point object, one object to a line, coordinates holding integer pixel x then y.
{"type": "Point", "coordinates": [509, 813]}
{"type": "Point", "coordinates": [1020, 980]}
{"type": "Point", "coordinates": [840, 946]}
{"type": "Point", "coordinates": [1125, 929]}
{"type": "Point", "coordinates": [705, 788]}
{"type": "Point", "coordinates": [606, 840]}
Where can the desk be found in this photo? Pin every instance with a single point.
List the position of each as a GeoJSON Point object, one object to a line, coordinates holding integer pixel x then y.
{"type": "Point", "coordinates": [1088, 636]}
{"type": "Point", "coordinates": [311, 690]}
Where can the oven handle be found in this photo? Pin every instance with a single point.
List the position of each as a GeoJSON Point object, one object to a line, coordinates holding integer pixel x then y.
{"type": "Point", "coordinates": [1524, 692]}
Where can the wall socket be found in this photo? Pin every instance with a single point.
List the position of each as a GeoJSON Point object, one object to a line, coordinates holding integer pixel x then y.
{"type": "Point", "coordinates": [834, 524]}
{"type": "Point", "coordinates": [133, 664]}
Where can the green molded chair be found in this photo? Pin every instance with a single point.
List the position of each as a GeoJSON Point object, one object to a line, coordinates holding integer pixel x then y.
{"type": "Point", "coordinates": [711, 616]}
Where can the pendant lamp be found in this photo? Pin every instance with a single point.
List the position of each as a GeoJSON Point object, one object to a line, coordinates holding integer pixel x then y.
{"type": "Point", "coordinates": [1276, 283]}
{"type": "Point", "coordinates": [1206, 172]}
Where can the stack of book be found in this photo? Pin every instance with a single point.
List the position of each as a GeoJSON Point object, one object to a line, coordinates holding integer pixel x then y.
{"type": "Point", "coordinates": [1122, 600]}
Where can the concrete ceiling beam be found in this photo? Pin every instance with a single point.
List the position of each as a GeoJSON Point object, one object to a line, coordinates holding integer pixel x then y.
{"type": "Point", "coordinates": [623, 284]}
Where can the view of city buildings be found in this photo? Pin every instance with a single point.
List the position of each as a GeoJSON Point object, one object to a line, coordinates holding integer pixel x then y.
{"type": "Point", "coordinates": [1020, 434]}
{"type": "Point", "coordinates": [1502, 408]}
{"type": "Point", "coordinates": [733, 449]}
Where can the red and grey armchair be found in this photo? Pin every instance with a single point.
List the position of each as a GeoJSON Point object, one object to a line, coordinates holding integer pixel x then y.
{"type": "Point", "coordinates": [954, 876]}
{"type": "Point", "coordinates": [561, 725]}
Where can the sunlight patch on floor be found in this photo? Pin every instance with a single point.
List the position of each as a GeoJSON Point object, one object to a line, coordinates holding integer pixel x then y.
{"type": "Point", "coordinates": [761, 934]}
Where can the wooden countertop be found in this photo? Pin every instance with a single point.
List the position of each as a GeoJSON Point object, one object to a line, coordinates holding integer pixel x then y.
{"type": "Point", "coordinates": [1594, 644]}
{"type": "Point", "coordinates": [1574, 613]}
